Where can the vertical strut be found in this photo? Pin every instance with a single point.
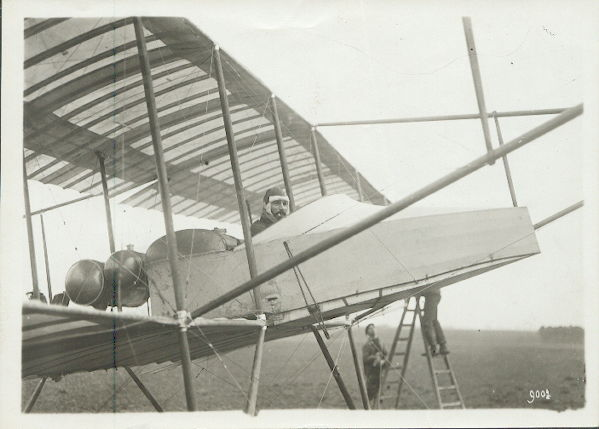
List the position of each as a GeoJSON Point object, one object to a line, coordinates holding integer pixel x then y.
{"type": "Point", "coordinates": [255, 380]}
{"type": "Point", "coordinates": [247, 235]}
{"type": "Point", "coordinates": [348, 400]}
{"type": "Point", "coordinates": [359, 186]}
{"type": "Point", "coordinates": [106, 202]}
{"type": "Point", "coordinates": [32, 260]}
{"type": "Point", "coordinates": [46, 259]}
{"type": "Point", "coordinates": [171, 239]}
{"type": "Point", "coordinates": [323, 186]}
{"type": "Point", "coordinates": [108, 212]}
{"type": "Point", "coordinates": [282, 154]}
{"type": "Point", "coordinates": [506, 165]}
{"type": "Point", "coordinates": [478, 85]}
{"type": "Point", "coordinates": [358, 368]}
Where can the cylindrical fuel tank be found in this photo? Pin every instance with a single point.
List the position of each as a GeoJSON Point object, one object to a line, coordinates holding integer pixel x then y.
{"type": "Point", "coordinates": [84, 282]}
{"type": "Point", "coordinates": [125, 269]}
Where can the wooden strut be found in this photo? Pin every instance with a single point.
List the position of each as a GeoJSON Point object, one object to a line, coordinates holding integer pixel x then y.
{"type": "Point", "coordinates": [282, 154]}
{"type": "Point", "coordinates": [439, 118]}
{"type": "Point", "coordinates": [112, 246]}
{"type": "Point", "coordinates": [32, 259]}
{"type": "Point", "coordinates": [144, 389]}
{"type": "Point", "coordinates": [252, 399]}
{"type": "Point", "coordinates": [66, 203]}
{"type": "Point", "coordinates": [348, 399]}
{"type": "Point", "coordinates": [558, 215]}
{"type": "Point", "coordinates": [110, 231]}
{"type": "Point", "coordinates": [171, 239]}
{"type": "Point", "coordinates": [391, 209]}
{"type": "Point", "coordinates": [35, 395]}
{"type": "Point", "coordinates": [506, 165]}
{"type": "Point", "coordinates": [321, 182]}
{"type": "Point", "coordinates": [358, 368]}
{"type": "Point", "coordinates": [478, 85]}
{"type": "Point", "coordinates": [46, 259]}
{"type": "Point", "coordinates": [359, 186]}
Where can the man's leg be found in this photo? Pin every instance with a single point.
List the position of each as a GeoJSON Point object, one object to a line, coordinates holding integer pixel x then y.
{"type": "Point", "coordinates": [441, 340]}
{"type": "Point", "coordinates": [430, 314]}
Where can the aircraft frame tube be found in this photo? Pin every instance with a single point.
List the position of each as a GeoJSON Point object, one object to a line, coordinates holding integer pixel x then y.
{"type": "Point", "coordinates": [46, 259]}
{"type": "Point", "coordinates": [506, 164]}
{"type": "Point", "coordinates": [478, 84]}
{"type": "Point", "coordinates": [396, 207]}
{"type": "Point", "coordinates": [32, 260]}
{"type": "Point", "coordinates": [144, 389]}
{"type": "Point", "coordinates": [439, 118]}
{"type": "Point", "coordinates": [245, 224]}
{"type": "Point", "coordinates": [557, 215]}
{"type": "Point", "coordinates": [171, 239]}
{"type": "Point", "coordinates": [106, 202]}
{"type": "Point", "coordinates": [35, 395]}
{"type": "Point", "coordinates": [323, 186]}
{"type": "Point", "coordinates": [282, 153]}
{"type": "Point", "coordinates": [342, 387]}
{"type": "Point", "coordinates": [358, 368]}
{"type": "Point", "coordinates": [109, 223]}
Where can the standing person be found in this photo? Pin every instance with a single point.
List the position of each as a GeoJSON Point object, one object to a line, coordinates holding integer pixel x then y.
{"type": "Point", "coordinates": [275, 207]}
{"type": "Point", "coordinates": [374, 357]}
{"type": "Point", "coordinates": [431, 327]}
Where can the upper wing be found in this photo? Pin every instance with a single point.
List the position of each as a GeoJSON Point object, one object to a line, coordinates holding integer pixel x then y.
{"type": "Point", "coordinates": [84, 94]}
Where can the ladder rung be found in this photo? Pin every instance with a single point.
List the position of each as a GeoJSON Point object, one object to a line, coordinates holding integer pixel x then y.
{"type": "Point", "coordinates": [451, 404]}
{"type": "Point", "coordinates": [403, 338]}
{"type": "Point", "coordinates": [442, 371]}
{"type": "Point", "coordinates": [400, 353]}
{"type": "Point", "coordinates": [447, 387]}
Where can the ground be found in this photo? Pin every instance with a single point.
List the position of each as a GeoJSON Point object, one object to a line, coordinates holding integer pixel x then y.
{"type": "Point", "coordinates": [494, 370]}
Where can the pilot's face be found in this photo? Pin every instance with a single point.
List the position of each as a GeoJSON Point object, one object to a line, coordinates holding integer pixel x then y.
{"type": "Point", "coordinates": [279, 208]}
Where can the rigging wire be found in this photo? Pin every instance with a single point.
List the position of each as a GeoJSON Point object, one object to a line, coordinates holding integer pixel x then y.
{"type": "Point", "coordinates": [332, 371]}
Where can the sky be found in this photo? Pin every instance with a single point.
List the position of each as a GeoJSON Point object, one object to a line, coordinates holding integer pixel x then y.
{"type": "Point", "coordinates": [345, 60]}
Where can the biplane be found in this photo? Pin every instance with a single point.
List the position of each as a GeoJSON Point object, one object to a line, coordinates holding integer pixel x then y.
{"type": "Point", "coordinates": [158, 112]}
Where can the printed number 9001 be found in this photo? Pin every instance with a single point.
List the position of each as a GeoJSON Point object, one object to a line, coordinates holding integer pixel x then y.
{"type": "Point", "coordinates": [538, 394]}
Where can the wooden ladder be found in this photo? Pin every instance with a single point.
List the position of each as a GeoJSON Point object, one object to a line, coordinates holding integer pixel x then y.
{"type": "Point", "coordinates": [445, 385]}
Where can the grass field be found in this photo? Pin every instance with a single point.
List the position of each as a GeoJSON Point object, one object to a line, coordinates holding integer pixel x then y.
{"type": "Point", "coordinates": [494, 370]}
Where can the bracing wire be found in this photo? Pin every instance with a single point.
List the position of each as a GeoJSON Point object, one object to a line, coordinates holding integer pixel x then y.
{"type": "Point", "coordinates": [332, 371]}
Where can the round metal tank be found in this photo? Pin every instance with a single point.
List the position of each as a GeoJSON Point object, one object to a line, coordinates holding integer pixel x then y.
{"type": "Point", "coordinates": [125, 269]}
{"type": "Point", "coordinates": [84, 282]}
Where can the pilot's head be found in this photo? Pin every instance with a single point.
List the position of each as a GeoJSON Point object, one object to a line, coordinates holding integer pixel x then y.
{"type": "Point", "coordinates": [370, 331]}
{"type": "Point", "coordinates": [276, 203]}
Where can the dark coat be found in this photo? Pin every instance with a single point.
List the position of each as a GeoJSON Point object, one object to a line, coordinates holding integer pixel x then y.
{"type": "Point", "coordinates": [261, 224]}
{"type": "Point", "coordinates": [372, 370]}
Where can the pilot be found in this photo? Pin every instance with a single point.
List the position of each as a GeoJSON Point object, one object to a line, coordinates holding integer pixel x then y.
{"type": "Point", "coordinates": [275, 208]}
{"type": "Point", "coordinates": [374, 359]}
{"type": "Point", "coordinates": [431, 328]}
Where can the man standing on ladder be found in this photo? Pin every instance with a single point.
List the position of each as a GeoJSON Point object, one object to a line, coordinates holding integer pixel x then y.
{"type": "Point", "coordinates": [431, 328]}
{"type": "Point", "coordinates": [275, 207]}
{"type": "Point", "coordinates": [374, 357]}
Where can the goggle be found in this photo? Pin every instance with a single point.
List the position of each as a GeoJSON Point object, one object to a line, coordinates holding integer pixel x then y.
{"type": "Point", "coordinates": [280, 198]}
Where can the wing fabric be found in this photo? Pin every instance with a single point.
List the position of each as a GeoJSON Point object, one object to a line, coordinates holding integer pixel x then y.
{"type": "Point", "coordinates": [59, 340]}
{"type": "Point", "coordinates": [84, 94]}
